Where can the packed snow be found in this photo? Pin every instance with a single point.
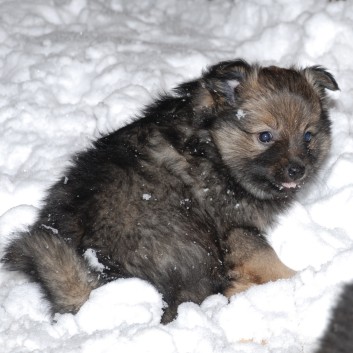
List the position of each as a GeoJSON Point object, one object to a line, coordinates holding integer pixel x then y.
{"type": "Point", "coordinates": [71, 70]}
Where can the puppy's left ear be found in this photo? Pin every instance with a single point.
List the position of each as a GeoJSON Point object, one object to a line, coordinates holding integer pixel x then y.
{"type": "Point", "coordinates": [319, 77]}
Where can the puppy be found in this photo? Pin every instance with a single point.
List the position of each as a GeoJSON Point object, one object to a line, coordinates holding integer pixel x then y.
{"type": "Point", "coordinates": [183, 196]}
{"type": "Point", "coordinates": [338, 336]}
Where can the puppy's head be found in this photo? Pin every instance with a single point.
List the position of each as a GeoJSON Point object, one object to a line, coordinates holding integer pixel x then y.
{"type": "Point", "coordinates": [272, 127]}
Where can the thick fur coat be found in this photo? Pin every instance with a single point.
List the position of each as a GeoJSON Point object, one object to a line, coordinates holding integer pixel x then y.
{"type": "Point", "coordinates": [183, 196]}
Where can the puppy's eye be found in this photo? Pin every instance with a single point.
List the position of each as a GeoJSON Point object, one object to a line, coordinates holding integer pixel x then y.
{"type": "Point", "coordinates": [308, 136]}
{"type": "Point", "coordinates": [265, 137]}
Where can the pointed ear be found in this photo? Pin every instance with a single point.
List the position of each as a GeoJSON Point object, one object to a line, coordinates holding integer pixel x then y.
{"type": "Point", "coordinates": [221, 80]}
{"type": "Point", "coordinates": [319, 77]}
{"type": "Point", "coordinates": [228, 70]}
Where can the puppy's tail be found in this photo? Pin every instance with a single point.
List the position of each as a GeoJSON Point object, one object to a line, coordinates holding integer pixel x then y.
{"type": "Point", "coordinates": [64, 276]}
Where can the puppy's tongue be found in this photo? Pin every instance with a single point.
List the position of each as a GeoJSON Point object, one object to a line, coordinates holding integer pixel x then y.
{"type": "Point", "coordinates": [291, 185]}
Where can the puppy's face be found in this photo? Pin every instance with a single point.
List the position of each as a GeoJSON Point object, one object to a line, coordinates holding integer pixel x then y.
{"type": "Point", "coordinates": [276, 134]}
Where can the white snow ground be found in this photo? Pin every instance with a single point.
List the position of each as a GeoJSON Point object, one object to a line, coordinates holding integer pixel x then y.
{"type": "Point", "coordinates": [71, 69]}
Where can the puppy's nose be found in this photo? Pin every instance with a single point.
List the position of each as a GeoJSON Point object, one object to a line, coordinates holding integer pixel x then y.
{"type": "Point", "coordinates": [295, 171]}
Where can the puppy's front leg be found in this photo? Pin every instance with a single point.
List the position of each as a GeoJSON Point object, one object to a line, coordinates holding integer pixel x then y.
{"type": "Point", "coordinates": [251, 260]}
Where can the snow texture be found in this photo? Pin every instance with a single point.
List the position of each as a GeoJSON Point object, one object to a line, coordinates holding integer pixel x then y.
{"type": "Point", "coordinates": [73, 69]}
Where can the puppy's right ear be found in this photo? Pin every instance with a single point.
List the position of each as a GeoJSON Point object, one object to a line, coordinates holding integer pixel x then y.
{"type": "Point", "coordinates": [320, 78]}
{"type": "Point", "coordinates": [220, 81]}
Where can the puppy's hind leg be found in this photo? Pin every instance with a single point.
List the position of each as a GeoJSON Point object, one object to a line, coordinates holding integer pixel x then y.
{"type": "Point", "coordinates": [251, 260]}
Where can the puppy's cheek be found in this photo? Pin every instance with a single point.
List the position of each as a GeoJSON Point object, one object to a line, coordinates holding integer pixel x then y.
{"type": "Point", "coordinates": [258, 178]}
{"type": "Point", "coordinates": [318, 151]}
{"type": "Point", "coordinates": [237, 148]}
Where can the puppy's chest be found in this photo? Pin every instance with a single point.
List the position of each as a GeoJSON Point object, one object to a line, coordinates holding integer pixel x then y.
{"type": "Point", "coordinates": [229, 209]}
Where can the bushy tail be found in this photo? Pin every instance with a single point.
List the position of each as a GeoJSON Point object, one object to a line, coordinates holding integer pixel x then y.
{"type": "Point", "coordinates": [65, 277]}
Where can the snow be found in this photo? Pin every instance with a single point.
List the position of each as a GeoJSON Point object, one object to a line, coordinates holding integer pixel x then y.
{"type": "Point", "coordinates": [73, 69]}
{"type": "Point", "coordinates": [146, 197]}
{"type": "Point", "coordinates": [240, 114]}
{"type": "Point", "coordinates": [90, 256]}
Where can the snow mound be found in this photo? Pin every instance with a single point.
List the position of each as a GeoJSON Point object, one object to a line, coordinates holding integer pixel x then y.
{"type": "Point", "coordinates": [71, 70]}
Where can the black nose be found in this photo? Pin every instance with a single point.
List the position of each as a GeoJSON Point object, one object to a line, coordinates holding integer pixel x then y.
{"type": "Point", "coordinates": [295, 171]}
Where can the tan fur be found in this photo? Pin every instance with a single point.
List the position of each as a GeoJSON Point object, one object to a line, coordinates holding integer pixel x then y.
{"type": "Point", "coordinates": [262, 267]}
{"type": "Point", "coordinates": [203, 99]}
{"type": "Point", "coordinates": [64, 273]}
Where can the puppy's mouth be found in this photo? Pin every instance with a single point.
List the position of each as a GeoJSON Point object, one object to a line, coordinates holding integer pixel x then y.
{"type": "Point", "coordinates": [286, 187]}
{"type": "Point", "coordinates": [290, 180]}
{"type": "Point", "coordinates": [269, 186]}
{"type": "Point", "coordinates": [265, 188]}
{"type": "Point", "coordinates": [290, 185]}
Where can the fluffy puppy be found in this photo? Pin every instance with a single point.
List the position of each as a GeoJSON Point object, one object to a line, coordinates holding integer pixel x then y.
{"type": "Point", "coordinates": [182, 197]}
